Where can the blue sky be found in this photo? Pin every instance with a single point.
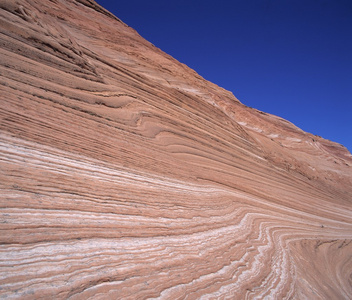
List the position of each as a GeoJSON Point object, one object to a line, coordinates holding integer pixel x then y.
{"type": "Point", "coordinates": [291, 58]}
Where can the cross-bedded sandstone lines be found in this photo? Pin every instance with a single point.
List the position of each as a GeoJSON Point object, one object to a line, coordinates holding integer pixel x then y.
{"type": "Point", "coordinates": [125, 175]}
{"type": "Point", "coordinates": [77, 227]}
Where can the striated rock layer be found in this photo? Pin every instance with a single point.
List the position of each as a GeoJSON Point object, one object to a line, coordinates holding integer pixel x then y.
{"type": "Point", "coordinates": [125, 175]}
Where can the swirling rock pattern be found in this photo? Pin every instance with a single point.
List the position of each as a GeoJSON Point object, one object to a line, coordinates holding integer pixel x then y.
{"type": "Point", "coordinates": [125, 175]}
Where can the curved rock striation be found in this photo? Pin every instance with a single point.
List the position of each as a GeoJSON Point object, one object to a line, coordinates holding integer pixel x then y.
{"type": "Point", "coordinates": [125, 175]}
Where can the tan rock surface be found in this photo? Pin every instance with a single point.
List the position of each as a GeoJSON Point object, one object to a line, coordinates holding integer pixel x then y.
{"type": "Point", "coordinates": [125, 175]}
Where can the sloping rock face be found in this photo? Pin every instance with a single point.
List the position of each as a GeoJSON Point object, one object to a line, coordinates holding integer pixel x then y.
{"type": "Point", "coordinates": [125, 175]}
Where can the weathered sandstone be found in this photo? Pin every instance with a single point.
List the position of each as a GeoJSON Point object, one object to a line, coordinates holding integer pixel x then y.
{"type": "Point", "coordinates": [125, 175]}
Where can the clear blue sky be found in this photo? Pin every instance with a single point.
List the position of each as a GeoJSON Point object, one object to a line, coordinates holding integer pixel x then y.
{"type": "Point", "coordinates": [291, 58]}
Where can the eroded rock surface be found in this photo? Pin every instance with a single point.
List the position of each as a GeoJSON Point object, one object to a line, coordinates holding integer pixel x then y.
{"type": "Point", "coordinates": [125, 175]}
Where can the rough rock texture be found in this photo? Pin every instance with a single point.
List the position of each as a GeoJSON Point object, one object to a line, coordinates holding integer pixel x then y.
{"type": "Point", "coordinates": [125, 175]}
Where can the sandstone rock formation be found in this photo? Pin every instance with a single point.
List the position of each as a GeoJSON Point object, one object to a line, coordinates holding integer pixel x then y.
{"type": "Point", "coordinates": [125, 175]}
